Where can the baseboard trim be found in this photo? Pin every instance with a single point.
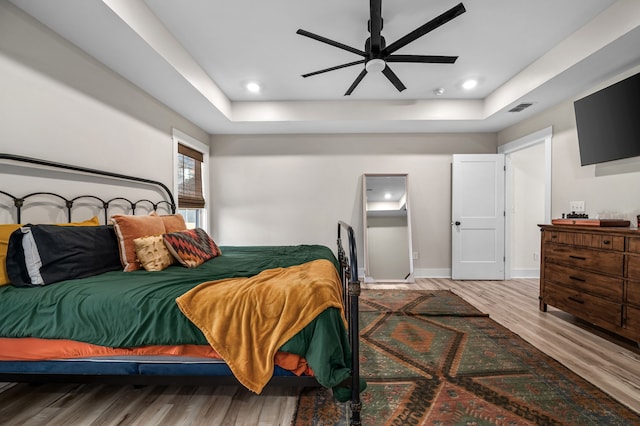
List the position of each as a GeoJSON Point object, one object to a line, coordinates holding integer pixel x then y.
{"type": "Point", "coordinates": [432, 273]}
{"type": "Point", "coordinates": [525, 273]}
{"type": "Point", "coordinates": [446, 273]}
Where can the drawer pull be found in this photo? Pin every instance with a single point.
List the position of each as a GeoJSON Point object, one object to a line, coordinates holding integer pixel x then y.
{"type": "Point", "coordinates": [577, 257]}
{"type": "Point", "coordinates": [606, 242]}
{"type": "Point", "coordinates": [577, 278]}
{"type": "Point", "coordinates": [573, 299]}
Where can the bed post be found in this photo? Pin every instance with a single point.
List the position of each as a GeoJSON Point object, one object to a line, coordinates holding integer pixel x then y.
{"type": "Point", "coordinates": [351, 292]}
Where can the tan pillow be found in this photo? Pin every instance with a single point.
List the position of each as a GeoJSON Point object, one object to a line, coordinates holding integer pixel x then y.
{"type": "Point", "coordinates": [152, 253]}
{"type": "Point", "coordinates": [7, 230]}
{"type": "Point", "coordinates": [127, 229]}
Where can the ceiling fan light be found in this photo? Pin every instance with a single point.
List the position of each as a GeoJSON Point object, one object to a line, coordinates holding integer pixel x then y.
{"type": "Point", "coordinates": [375, 65]}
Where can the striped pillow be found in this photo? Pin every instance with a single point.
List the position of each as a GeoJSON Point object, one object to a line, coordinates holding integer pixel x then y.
{"type": "Point", "coordinates": [192, 247]}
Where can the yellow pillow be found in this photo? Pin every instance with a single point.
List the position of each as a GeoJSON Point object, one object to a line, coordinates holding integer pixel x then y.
{"type": "Point", "coordinates": [7, 230]}
{"type": "Point", "coordinates": [152, 254]}
{"type": "Point", "coordinates": [94, 221]}
{"type": "Point", "coordinates": [5, 233]}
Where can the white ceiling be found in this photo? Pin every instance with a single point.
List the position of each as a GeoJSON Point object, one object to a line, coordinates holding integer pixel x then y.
{"type": "Point", "coordinates": [196, 55]}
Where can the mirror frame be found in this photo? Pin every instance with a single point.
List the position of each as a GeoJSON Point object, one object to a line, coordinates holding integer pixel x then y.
{"type": "Point", "coordinates": [367, 264]}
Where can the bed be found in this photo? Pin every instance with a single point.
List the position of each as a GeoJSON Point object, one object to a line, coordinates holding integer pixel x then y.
{"type": "Point", "coordinates": [97, 299]}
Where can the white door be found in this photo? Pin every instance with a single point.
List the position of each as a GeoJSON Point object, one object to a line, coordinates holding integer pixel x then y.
{"type": "Point", "coordinates": [478, 217]}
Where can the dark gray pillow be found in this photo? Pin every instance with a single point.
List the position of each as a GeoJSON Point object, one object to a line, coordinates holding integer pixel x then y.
{"type": "Point", "coordinates": [45, 254]}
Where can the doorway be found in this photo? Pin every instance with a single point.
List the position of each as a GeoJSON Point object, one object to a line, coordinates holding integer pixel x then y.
{"type": "Point", "coordinates": [526, 195]}
{"type": "Point", "coordinates": [527, 200]}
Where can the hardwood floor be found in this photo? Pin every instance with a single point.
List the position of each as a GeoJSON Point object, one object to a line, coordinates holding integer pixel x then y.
{"type": "Point", "coordinates": [610, 363]}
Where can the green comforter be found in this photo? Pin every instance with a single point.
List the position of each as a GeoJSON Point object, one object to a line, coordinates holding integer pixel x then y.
{"type": "Point", "coordinates": [128, 309]}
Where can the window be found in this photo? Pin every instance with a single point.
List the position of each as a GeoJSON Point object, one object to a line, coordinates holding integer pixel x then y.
{"type": "Point", "coordinates": [190, 178]}
{"type": "Point", "coordinates": [191, 171]}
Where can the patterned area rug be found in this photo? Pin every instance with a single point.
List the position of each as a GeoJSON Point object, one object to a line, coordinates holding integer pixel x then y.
{"type": "Point", "coordinates": [430, 358]}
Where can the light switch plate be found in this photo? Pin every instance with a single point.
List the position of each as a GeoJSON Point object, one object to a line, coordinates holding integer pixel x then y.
{"type": "Point", "coordinates": [576, 206]}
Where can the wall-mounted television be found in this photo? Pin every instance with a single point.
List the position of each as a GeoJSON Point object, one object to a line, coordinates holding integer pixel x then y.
{"type": "Point", "coordinates": [608, 122]}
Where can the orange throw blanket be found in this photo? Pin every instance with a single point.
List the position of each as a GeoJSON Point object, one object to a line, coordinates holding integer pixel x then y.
{"type": "Point", "coordinates": [246, 320]}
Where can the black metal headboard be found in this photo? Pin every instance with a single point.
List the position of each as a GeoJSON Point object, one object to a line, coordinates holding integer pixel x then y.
{"type": "Point", "coordinates": [19, 201]}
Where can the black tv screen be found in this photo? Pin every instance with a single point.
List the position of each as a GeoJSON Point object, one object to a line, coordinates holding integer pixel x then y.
{"type": "Point", "coordinates": [608, 122]}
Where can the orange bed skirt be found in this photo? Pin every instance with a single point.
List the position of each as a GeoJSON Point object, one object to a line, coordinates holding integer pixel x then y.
{"type": "Point", "coordinates": [35, 349]}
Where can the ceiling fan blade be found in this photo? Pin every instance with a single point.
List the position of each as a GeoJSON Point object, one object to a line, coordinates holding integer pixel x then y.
{"type": "Point", "coordinates": [356, 82]}
{"type": "Point", "coordinates": [393, 78]}
{"type": "Point", "coordinates": [331, 42]}
{"type": "Point", "coordinates": [375, 25]}
{"type": "Point", "coordinates": [424, 29]}
{"type": "Point", "coordinates": [337, 67]}
{"type": "Point", "coordinates": [423, 59]}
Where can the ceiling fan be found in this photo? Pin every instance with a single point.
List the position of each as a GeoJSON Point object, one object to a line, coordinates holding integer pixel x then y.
{"type": "Point", "coordinates": [377, 54]}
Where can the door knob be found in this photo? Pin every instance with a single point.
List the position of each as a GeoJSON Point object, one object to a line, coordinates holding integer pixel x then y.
{"type": "Point", "coordinates": [456, 223]}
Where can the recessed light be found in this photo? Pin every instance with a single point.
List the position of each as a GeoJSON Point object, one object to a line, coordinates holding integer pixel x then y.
{"type": "Point", "coordinates": [439, 91]}
{"type": "Point", "coordinates": [469, 84]}
{"type": "Point", "coordinates": [387, 196]}
{"type": "Point", "coordinates": [253, 87]}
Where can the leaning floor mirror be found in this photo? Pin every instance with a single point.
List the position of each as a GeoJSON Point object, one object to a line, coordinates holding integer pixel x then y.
{"type": "Point", "coordinates": [387, 228]}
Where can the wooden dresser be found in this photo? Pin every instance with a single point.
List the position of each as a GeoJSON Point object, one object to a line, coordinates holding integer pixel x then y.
{"type": "Point", "coordinates": [594, 274]}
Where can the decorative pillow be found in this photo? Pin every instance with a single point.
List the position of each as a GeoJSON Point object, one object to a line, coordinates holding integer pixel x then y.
{"type": "Point", "coordinates": [192, 247]}
{"type": "Point", "coordinates": [7, 230]}
{"type": "Point", "coordinates": [94, 221]}
{"type": "Point", "coordinates": [152, 253]}
{"type": "Point", "coordinates": [128, 228]}
{"type": "Point", "coordinates": [32, 259]}
{"type": "Point", "coordinates": [46, 254]}
{"type": "Point", "coordinates": [173, 223]}
{"type": "Point", "coordinates": [5, 233]}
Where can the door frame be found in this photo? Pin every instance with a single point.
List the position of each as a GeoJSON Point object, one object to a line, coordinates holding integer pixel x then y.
{"type": "Point", "coordinates": [541, 136]}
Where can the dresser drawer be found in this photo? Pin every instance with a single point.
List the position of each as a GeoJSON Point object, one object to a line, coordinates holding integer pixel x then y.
{"type": "Point", "coordinates": [632, 324]}
{"type": "Point", "coordinates": [599, 261]}
{"type": "Point", "coordinates": [633, 292]}
{"type": "Point", "coordinates": [633, 267]}
{"type": "Point", "coordinates": [633, 245]}
{"type": "Point", "coordinates": [581, 280]}
{"type": "Point", "coordinates": [581, 239]}
{"type": "Point", "coordinates": [590, 308]}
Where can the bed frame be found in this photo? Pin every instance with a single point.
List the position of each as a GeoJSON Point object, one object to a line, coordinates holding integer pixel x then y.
{"type": "Point", "coordinates": [346, 254]}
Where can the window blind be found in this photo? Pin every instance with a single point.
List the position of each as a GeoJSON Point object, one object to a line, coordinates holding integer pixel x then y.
{"type": "Point", "coordinates": [190, 178]}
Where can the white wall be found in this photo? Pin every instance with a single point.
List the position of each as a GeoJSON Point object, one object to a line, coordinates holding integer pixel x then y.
{"type": "Point", "coordinates": [617, 194]}
{"type": "Point", "coordinates": [292, 189]}
{"type": "Point", "coordinates": [58, 104]}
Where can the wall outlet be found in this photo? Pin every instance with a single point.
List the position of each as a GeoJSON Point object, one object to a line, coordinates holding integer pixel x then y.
{"type": "Point", "coordinates": [576, 206]}
{"type": "Point", "coordinates": [416, 255]}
